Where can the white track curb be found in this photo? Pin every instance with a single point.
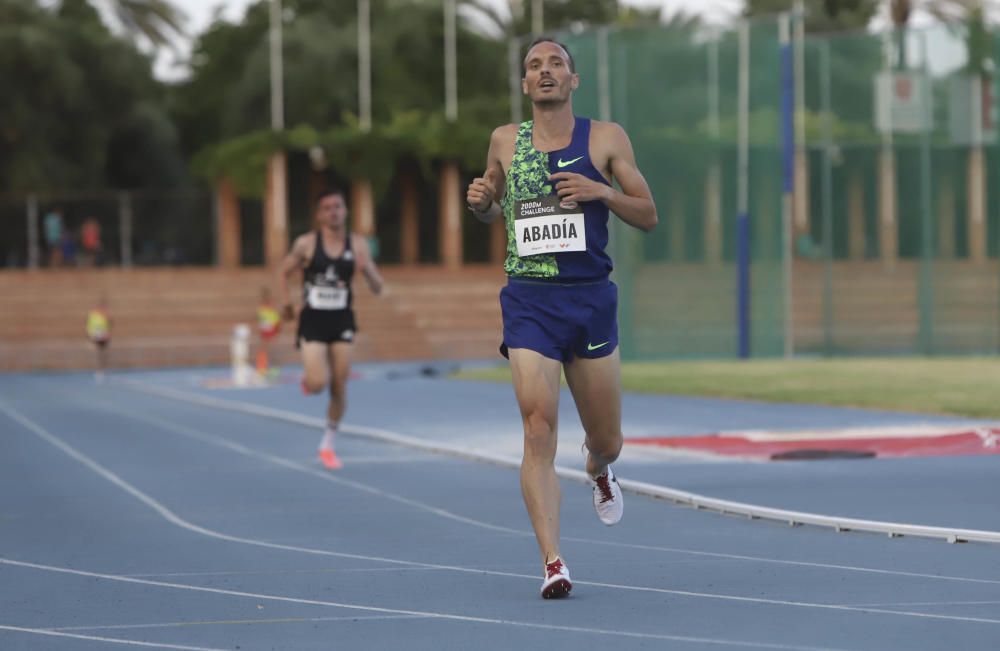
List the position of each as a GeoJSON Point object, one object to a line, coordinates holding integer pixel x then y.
{"type": "Point", "coordinates": [725, 507]}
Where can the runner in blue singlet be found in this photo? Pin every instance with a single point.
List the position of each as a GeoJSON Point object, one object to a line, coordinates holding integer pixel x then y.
{"type": "Point", "coordinates": [550, 180]}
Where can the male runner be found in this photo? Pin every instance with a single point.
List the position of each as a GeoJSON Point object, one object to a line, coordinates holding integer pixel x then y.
{"type": "Point", "coordinates": [328, 258]}
{"type": "Point", "coordinates": [551, 181]}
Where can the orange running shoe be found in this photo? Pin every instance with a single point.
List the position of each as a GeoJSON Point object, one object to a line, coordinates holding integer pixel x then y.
{"type": "Point", "coordinates": [329, 459]}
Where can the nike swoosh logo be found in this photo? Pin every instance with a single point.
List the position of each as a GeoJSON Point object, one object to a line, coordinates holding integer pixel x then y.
{"type": "Point", "coordinates": [592, 347]}
{"type": "Point", "coordinates": [561, 163]}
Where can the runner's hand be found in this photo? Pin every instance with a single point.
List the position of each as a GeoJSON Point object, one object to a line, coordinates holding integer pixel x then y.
{"type": "Point", "coordinates": [577, 187]}
{"type": "Point", "coordinates": [288, 312]}
{"type": "Point", "coordinates": [482, 192]}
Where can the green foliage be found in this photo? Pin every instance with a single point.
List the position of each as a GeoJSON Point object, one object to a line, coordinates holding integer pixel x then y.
{"type": "Point", "coordinates": [156, 20]}
{"type": "Point", "coordinates": [228, 94]}
{"type": "Point", "coordinates": [822, 15]}
{"type": "Point", "coordinates": [242, 160]}
{"type": "Point", "coordinates": [80, 92]}
{"type": "Point", "coordinates": [425, 138]}
{"type": "Point", "coordinates": [515, 18]}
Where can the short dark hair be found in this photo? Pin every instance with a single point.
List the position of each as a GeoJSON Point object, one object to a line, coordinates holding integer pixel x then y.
{"type": "Point", "coordinates": [335, 192]}
{"type": "Point", "coordinates": [546, 39]}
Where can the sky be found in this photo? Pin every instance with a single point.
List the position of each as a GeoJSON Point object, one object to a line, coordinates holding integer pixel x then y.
{"type": "Point", "coordinates": [200, 13]}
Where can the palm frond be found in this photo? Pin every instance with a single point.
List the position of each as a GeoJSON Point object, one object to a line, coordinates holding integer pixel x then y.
{"type": "Point", "coordinates": [156, 20]}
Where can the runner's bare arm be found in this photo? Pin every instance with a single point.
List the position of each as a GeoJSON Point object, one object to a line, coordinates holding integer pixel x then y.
{"type": "Point", "coordinates": [367, 264]}
{"type": "Point", "coordinates": [634, 203]}
{"type": "Point", "coordinates": [294, 261]}
{"type": "Point", "coordinates": [485, 192]}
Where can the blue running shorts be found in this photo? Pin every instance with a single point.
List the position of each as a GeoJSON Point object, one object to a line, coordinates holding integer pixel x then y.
{"type": "Point", "coordinates": [560, 321]}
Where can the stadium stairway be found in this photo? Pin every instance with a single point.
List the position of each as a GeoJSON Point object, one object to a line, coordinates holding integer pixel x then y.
{"type": "Point", "coordinates": [185, 316]}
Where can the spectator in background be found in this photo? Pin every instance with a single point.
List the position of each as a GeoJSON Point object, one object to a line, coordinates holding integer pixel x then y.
{"type": "Point", "coordinates": [67, 248]}
{"type": "Point", "coordinates": [90, 243]}
{"type": "Point", "coordinates": [99, 333]}
{"type": "Point", "coordinates": [268, 325]}
{"type": "Point", "coordinates": [52, 230]}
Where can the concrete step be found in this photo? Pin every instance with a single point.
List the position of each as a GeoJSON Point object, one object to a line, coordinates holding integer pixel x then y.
{"type": "Point", "coordinates": [185, 316]}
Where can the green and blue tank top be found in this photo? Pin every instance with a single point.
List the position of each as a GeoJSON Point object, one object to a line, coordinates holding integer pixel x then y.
{"type": "Point", "coordinates": [528, 180]}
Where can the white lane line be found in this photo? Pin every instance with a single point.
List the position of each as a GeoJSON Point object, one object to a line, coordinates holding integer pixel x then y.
{"type": "Point", "coordinates": [326, 476]}
{"type": "Point", "coordinates": [178, 521]}
{"type": "Point", "coordinates": [364, 570]}
{"type": "Point", "coordinates": [110, 640]}
{"type": "Point", "coordinates": [417, 613]}
{"type": "Point", "coordinates": [239, 448]}
{"type": "Point", "coordinates": [778, 561]}
{"type": "Point", "coordinates": [387, 461]}
{"type": "Point", "coordinates": [725, 507]}
{"type": "Point", "coordinates": [240, 622]}
{"type": "Point", "coordinates": [901, 604]}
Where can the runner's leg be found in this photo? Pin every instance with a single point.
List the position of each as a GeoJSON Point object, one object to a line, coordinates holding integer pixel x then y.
{"type": "Point", "coordinates": [596, 388]}
{"type": "Point", "coordinates": [536, 386]}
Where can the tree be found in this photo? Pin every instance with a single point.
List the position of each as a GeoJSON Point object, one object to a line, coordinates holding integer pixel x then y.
{"type": "Point", "coordinates": [156, 20]}
{"type": "Point", "coordinates": [87, 114]}
{"type": "Point", "coordinates": [227, 94]}
{"type": "Point", "coordinates": [970, 13]}
{"type": "Point", "coordinates": [515, 19]}
{"type": "Point", "coordinates": [822, 15]}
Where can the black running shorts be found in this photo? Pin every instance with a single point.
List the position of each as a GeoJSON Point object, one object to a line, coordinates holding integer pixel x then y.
{"type": "Point", "coordinates": [326, 326]}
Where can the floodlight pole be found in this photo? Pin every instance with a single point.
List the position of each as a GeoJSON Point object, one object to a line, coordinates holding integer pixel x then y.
{"type": "Point", "coordinates": [450, 63]}
{"type": "Point", "coordinates": [537, 18]}
{"type": "Point", "coordinates": [276, 190]}
{"type": "Point", "coordinates": [514, 76]}
{"type": "Point", "coordinates": [364, 65]}
{"type": "Point", "coordinates": [277, 70]}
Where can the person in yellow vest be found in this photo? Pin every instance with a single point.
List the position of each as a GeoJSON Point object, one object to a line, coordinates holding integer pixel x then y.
{"type": "Point", "coordinates": [99, 333]}
{"type": "Point", "coordinates": [268, 325]}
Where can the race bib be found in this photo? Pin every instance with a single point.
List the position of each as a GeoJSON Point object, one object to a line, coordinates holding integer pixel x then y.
{"type": "Point", "coordinates": [545, 225]}
{"type": "Point", "coordinates": [327, 298]}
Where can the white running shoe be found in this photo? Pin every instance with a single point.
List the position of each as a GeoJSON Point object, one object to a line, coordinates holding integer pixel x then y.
{"type": "Point", "coordinates": [608, 498]}
{"type": "Point", "coordinates": [556, 584]}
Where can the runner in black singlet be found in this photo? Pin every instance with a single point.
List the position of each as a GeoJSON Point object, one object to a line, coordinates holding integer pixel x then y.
{"type": "Point", "coordinates": [328, 258]}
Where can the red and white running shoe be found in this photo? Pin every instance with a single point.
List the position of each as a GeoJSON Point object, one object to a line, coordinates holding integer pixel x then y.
{"type": "Point", "coordinates": [556, 584]}
{"type": "Point", "coordinates": [608, 498]}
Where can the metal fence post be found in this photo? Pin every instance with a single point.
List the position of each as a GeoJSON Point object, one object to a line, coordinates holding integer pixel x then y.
{"type": "Point", "coordinates": [925, 281]}
{"type": "Point", "coordinates": [743, 201]}
{"type": "Point", "coordinates": [34, 255]}
{"type": "Point", "coordinates": [827, 192]}
{"type": "Point", "coordinates": [125, 228]}
{"type": "Point", "coordinates": [788, 169]}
